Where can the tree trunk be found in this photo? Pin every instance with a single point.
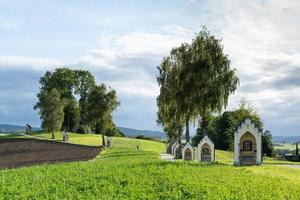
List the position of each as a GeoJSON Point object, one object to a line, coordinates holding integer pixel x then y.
{"type": "Point", "coordinates": [52, 125]}
{"type": "Point", "coordinates": [178, 155]}
{"type": "Point", "coordinates": [297, 150]}
{"type": "Point", "coordinates": [103, 140]}
{"type": "Point", "coordinates": [179, 136]}
{"type": "Point", "coordinates": [69, 120]}
{"type": "Point", "coordinates": [187, 130]}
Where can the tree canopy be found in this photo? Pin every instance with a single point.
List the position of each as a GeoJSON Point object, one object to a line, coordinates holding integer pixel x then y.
{"type": "Point", "coordinates": [195, 80]}
{"type": "Point", "coordinates": [76, 89]}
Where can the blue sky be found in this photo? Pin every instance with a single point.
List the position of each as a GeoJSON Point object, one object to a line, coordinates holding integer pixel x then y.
{"type": "Point", "coordinates": [122, 42]}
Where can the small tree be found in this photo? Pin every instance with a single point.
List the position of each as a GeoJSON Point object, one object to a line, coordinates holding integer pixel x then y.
{"type": "Point", "coordinates": [51, 111]}
{"type": "Point", "coordinates": [101, 104]}
{"type": "Point", "coordinates": [267, 144]}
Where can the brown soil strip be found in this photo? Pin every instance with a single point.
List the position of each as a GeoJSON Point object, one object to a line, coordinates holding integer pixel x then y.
{"type": "Point", "coordinates": [24, 152]}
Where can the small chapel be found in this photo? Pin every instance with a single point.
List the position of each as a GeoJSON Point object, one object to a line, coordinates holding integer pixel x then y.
{"type": "Point", "coordinates": [206, 150]}
{"type": "Point", "coordinates": [248, 144]}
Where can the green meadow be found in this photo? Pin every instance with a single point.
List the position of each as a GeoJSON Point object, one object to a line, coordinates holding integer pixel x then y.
{"type": "Point", "coordinates": [128, 172]}
{"type": "Point", "coordinates": [285, 146]}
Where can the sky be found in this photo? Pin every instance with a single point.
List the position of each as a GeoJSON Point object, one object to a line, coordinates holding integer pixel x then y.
{"type": "Point", "coordinates": [122, 43]}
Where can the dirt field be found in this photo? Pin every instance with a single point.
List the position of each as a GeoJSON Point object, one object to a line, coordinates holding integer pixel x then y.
{"type": "Point", "coordinates": [22, 152]}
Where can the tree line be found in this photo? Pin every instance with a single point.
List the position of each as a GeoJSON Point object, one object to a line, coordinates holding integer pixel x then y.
{"type": "Point", "coordinates": [195, 82]}
{"type": "Point", "coordinates": [71, 100]}
{"type": "Point", "coordinates": [221, 127]}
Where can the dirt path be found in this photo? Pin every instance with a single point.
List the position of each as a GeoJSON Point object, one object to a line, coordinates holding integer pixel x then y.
{"type": "Point", "coordinates": [23, 152]}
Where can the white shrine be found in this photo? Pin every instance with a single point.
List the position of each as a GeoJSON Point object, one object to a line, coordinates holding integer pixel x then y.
{"type": "Point", "coordinates": [206, 150]}
{"type": "Point", "coordinates": [188, 152]}
{"type": "Point", "coordinates": [247, 144]}
{"type": "Point", "coordinates": [173, 148]}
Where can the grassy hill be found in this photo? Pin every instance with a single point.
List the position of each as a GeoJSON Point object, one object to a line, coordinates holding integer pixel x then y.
{"type": "Point", "coordinates": [129, 132]}
{"type": "Point", "coordinates": [125, 172]}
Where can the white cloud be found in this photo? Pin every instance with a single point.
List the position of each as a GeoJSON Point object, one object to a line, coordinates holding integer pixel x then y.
{"type": "Point", "coordinates": [263, 42]}
{"type": "Point", "coordinates": [136, 88]}
{"type": "Point", "coordinates": [131, 59]}
{"type": "Point", "coordinates": [100, 58]}
{"type": "Point", "coordinates": [17, 62]}
{"type": "Point", "coordinates": [141, 43]}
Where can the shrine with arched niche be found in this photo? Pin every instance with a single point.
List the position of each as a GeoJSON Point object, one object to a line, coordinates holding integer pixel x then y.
{"type": "Point", "coordinates": [188, 152]}
{"type": "Point", "coordinates": [247, 144]}
{"type": "Point", "coordinates": [206, 150]}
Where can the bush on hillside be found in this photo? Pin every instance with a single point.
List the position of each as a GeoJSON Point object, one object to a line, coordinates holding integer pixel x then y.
{"type": "Point", "coordinates": [142, 137]}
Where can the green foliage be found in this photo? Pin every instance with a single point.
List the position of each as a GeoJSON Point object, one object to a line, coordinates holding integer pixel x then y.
{"type": "Point", "coordinates": [51, 110]}
{"type": "Point", "coordinates": [267, 144]}
{"type": "Point", "coordinates": [195, 80]}
{"type": "Point", "coordinates": [168, 113]}
{"type": "Point", "coordinates": [69, 83]}
{"type": "Point", "coordinates": [142, 137]}
{"type": "Point", "coordinates": [221, 128]}
{"type": "Point", "coordinates": [125, 172]}
{"type": "Point", "coordinates": [83, 129]}
{"type": "Point", "coordinates": [113, 130]}
{"type": "Point", "coordinates": [83, 89]}
{"type": "Point", "coordinates": [71, 116]}
{"type": "Point", "coordinates": [101, 103]}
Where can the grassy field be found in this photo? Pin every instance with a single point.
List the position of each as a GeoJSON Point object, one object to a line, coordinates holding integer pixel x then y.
{"type": "Point", "coordinates": [125, 172]}
{"type": "Point", "coordinates": [91, 139]}
{"type": "Point", "coordinates": [286, 146]}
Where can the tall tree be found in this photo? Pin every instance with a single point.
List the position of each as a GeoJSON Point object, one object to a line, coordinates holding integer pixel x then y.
{"type": "Point", "coordinates": [64, 80]}
{"type": "Point", "coordinates": [101, 103]}
{"type": "Point", "coordinates": [208, 79]}
{"type": "Point", "coordinates": [51, 110]}
{"type": "Point", "coordinates": [70, 83]}
{"type": "Point", "coordinates": [168, 113]}
{"type": "Point", "coordinates": [195, 80]}
{"type": "Point", "coordinates": [86, 81]}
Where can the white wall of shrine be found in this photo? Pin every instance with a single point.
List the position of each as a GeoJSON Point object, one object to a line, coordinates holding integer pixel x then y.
{"type": "Point", "coordinates": [173, 147]}
{"type": "Point", "coordinates": [191, 148]}
{"type": "Point", "coordinates": [247, 127]}
{"type": "Point", "coordinates": [206, 140]}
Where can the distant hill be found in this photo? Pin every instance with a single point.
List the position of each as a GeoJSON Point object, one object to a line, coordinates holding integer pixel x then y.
{"type": "Point", "coordinates": [135, 132]}
{"type": "Point", "coordinates": [285, 139]}
{"type": "Point", "coordinates": [129, 132]}
{"type": "Point", "coordinates": [7, 128]}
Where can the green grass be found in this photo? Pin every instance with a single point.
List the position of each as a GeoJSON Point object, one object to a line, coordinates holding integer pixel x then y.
{"type": "Point", "coordinates": [286, 146]}
{"type": "Point", "coordinates": [125, 172]}
{"type": "Point", "coordinates": [75, 138]}
{"type": "Point", "coordinates": [226, 157]}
